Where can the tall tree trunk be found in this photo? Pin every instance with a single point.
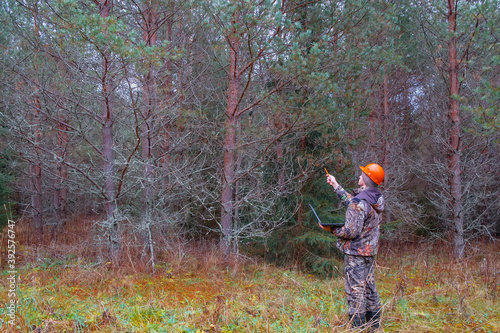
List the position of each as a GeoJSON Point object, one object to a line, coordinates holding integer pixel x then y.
{"type": "Point", "coordinates": [300, 211]}
{"type": "Point", "coordinates": [372, 120]}
{"type": "Point", "coordinates": [60, 190]}
{"type": "Point", "coordinates": [231, 124]}
{"type": "Point", "coordinates": [386, 137]}
{"type": "Point", "coordinates": [278, 124]}
{"type": "Point", "coordinates": [237, 193]}
{"type": "Point", "coordinates": [108, 143]}
{"type": "Point", "coordinates": [406, 117]}
{"type": "Point", "coordinates": [62, 139]}
{"type": "Point", "coordinates": [148, 127]}
{"type": "Point", "coordinates": [280, 153]}
{"type": "Point", "coordinates": [36, 173]}
{"type": "Point", "coordinates": [454, 159]}
{"type": "Point", "coordinates": [149, 96]}
{"type": "Point", "coordinates": [228, 182]}
{"type": "Point", "coordinates": [167, 90]}
{"type": "Point", "coordinates": [36, 163]}
{"type": "Point", "coordinates": [108, 152]}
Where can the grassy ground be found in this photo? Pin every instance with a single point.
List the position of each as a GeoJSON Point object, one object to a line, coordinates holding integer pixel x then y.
{"type": "Point", "coordinates": [422, 290]}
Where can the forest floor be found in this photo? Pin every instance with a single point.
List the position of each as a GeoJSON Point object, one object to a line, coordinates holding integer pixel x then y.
{"type": "Point", "coordinates": [421, 287]}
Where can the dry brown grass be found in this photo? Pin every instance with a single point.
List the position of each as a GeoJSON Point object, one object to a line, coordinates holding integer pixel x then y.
{"type": "Point", "coordinates": [65, 285]}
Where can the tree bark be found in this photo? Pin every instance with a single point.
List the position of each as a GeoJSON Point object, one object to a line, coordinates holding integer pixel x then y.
{"type": "Point", "coordinates": [149, 126]}
{"type": "Point", "coordinates": [167, 87]}
{"type": "Point", "coordinates": [386, 139]}
{"type": "Point", "coordinates": [300, 211]}
{"type": "Point", "coordinates": [36, 163]}
{"type": "Point", "coordinates": [231, 124]}
{"type": "Point", "coordinates": [108, 152]}
{"type": "Point", "coordinates": [60, 190]}
{"type": "Point", "coordinates": [454, 158]}
{"type": "Point", "coordinates": [36, 178]}
{"type": "Point", "coordinates": [236, 197]}
{"type": "Point", "coordinates": [149, 96]}
{"type": "Point", "coordinates": [372, 120]}
{"type": "Point", "coordinates": [278, 124]}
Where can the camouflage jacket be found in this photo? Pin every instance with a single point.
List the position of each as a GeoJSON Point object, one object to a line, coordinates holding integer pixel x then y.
{"type": "Point", "coordinates": [361, 232]}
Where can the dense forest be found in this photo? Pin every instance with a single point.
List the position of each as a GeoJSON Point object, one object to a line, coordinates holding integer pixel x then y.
{"type": "Point", "coordinates": [169, 122]}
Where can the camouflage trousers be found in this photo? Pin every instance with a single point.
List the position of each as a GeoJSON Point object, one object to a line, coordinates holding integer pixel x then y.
{"type": "Point", "coordinates": [362, 294]}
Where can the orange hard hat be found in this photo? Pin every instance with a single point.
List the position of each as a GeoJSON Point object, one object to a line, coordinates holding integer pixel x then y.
{"type": "Point", "coordinates": [375, 172]}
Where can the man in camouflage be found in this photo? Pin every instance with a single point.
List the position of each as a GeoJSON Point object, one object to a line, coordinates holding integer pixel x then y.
{"type": "Point", "coordinates": [358, 240]}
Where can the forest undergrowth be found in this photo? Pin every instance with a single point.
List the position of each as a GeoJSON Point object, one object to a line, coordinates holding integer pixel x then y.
{"type": "Point", "coordinates": [63, 287]}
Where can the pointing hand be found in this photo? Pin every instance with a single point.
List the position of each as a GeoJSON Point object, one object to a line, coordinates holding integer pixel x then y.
{"type": "Point", "coordinates": [332, 181]}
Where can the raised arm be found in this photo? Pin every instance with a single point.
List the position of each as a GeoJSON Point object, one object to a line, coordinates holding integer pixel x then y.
{"type": "Point", "coordinates": [343, 195]}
